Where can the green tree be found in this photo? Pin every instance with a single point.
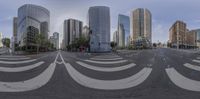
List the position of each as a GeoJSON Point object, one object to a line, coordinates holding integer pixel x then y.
{"type": "Point", "coordinates": [39, 40]}
{"type": "Point", "coordinates": [113, 44]}
{"type": "Point", "coordinates": [6, 42]}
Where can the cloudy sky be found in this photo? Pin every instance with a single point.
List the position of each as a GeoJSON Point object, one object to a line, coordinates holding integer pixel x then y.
{"type": "Point", "coordinates": [164, 13]}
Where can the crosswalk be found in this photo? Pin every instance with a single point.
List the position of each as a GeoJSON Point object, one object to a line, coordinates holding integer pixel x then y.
{"type": "Point", "coordinates": [26, 85]}
{"type": "Point", "coordinates": [110, 63]}
{"type": "Point", "coordinates": [183, 82]}
{"type": "Point", "coordinates": [101, 63]}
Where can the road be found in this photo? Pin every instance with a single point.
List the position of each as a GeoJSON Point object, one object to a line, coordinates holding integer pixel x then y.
{"type": "Point", "coordinates": [145, 74]}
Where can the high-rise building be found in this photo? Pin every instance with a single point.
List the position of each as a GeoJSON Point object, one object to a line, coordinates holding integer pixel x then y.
{"type": "Point", "coordinates": [197, 37]}
{"type": "Point", "coordinates": [86, 32]}
{"type": "Point", "coordinates": [32, 20]}
{"type": "Point", "coordinates": [55, 40]}
{"type": "Point", "coordinates": [177, 34]}
{"type": "Point", "coordinates": [123, 30]}
{"type": "Point", "coordinates": [1, 37]}
{"type": "Point", "coordinates": [99, 25]}
{"type": "Point", "coordinates": [115, 37]}
{"type": "Point", "coordinates": [141, 25]}
{"type": "Point", "coordinates": [15, 29]}
{"type": "Point", "coordinates": [72, 30]}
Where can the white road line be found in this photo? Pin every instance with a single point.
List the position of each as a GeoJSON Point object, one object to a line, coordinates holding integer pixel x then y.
{"type": "Point", "coordinates": [129, 82]}
{"type": "Point", "coordinates": [106, 69]}
{"type": "Point", "coordinates": [103, 62]}
{"type": "Point", "coordinates": [194, 67]}
{"type": "Point", "coordinates": [20, 69]}
{"type": "Point", "coordinates": [31, 84]}
{"type": "Point", "coordinates": [197, 61]}
{"type": "Point", "coordinates": [18, 62]}
{"type": "Point", "coordinates": [106, 59]}
{"type": "Point", "coordinates": [14, 58]}
{"type": "Point", "coordinates": [198, 57]}
{"type": "Point", "coordinates": [181, 81]}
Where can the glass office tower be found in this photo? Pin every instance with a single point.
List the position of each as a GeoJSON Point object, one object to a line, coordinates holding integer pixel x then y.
{"type": "Point", "coordinates": [123, 30]}
{"type": "Point", "coordinates": [32, 19]}
{"type": "Point", "coordinates": [99, 25]}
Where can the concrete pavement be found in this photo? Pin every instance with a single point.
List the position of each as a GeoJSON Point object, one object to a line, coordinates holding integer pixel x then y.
{"type": "Point", "coordinates": [146, 74]}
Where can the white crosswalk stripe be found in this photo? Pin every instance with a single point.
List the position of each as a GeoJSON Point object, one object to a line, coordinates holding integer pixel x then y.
{"type": "Point", "coordinates": [182, 81]}
{"type": "Point", "coordinates": [107, 62]}
{"type": "Point", "coordinates": [129, 82]}
{"type": "Point", "coordinates": [194, 67]}
{"type": "Point", "coordinates": [17, 62]}
{"type": "Point", "coordinates": [20, 69]}
{"type": "Point", "coordinates": [28, 85]}
{"type": "Point", "coordinates": [106, 69]}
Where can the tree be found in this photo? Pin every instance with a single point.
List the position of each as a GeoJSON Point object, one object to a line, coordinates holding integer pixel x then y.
{"type": "Point", "coordinates": [78, 43]}
{"type": "Point", "coordinates": [6, 42]}
{"type": "Point", "coordinates": [113, 44]}
{"type": "Point", "coordinates": [39, 39]}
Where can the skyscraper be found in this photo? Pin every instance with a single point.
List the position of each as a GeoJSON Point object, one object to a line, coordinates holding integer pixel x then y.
{"type": "Point", "coordinates": [99, 25]}
{"type": "Point", "coordinates": [123, 30]}
{"type": "Point", "coordinates": [197, 37]}
{"type": "Point", "coordinates": [142, 24]}
{"type": "Point", "coordinates": [15, 30]}
{"type": "Point", "coordinates": [32, 20]}
{"type": "Point", "coordinates": [86, 32]}
{"type": "Point", "coordinates": [56, 37]}
{"type": "Point", "coordinates": [115, 37]}
{"type": "Point", "coordinates": [72, 30]}
{"type": "Point", "coordinates": [1, 37]}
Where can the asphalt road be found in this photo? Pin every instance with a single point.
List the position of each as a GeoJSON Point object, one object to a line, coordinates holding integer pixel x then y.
{"type": "Point", "coordinates": [145, 74]}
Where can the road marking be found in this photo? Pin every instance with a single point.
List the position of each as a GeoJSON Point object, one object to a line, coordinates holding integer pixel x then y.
{"type": "Point", "coordinates": [198, 57]}
{"type": "Point", "coordinates": [129, 82]}
{"type": "Point", "coordinates": [14, 58]}
{"type": "Point", "coordinates": [106, 59]}
{"type": "Point", "coordinates": [31, 84]}
{"type": "Point", "coordinates": [107, 56]}
{"type": "Point", "coordinates": [197, 61]}
{"type": "Point", "coordinates": [194, 67]}
{"type": "Point", "coordinates": [182, 81]}
{"type": "Point", "coordinates": [18, 62]}
{"type": "Point", "coordinates": [112, 62]}
{"type": "Point", "coordinates": [10, 56]}
{"type": "Point", "coordinates": [20, 69]}
{"type": "Point", "coordinates": [106, 69]}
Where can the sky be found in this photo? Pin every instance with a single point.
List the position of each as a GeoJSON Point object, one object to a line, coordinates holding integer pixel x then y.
{"type": "Point", "coordinates": [164, 13]}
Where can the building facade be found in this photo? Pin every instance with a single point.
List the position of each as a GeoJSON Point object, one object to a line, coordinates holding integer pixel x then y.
{"type": "Point", "coordinates": [123, 30]}
{"type": "Point", "coordinates": [177, 34]}
{"type": "Point", "coordinates": [15, 21]}
{"type": "Point", "coordinates": [86, 32]}
{"type": "Point", "coordinates": [1, 37]}
{"type": "Point", "coordinates": [190, 39]}
{"type": "Point", "coordinates": [197, 37]}
{"type": "Point", "coordinates": [55, 40]}
{"type": "Point", "coordinates": [115, 37]}
{"type": "Point", "coordinates": [99, 25]}
{"type": "Point", "coordinates": [72, 30]}
{"type": "Point", "coordinates": [141, 25]}
{"type": "Point", "coordinates": [32, 20]}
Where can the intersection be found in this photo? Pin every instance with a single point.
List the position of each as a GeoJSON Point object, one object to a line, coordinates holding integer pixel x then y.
{"type": "Point", "coordinates": [145, 74]}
